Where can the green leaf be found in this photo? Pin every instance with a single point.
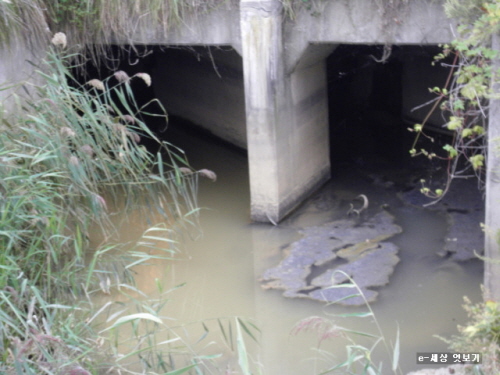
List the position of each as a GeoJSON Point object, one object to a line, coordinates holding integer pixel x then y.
{"type": "Point", "coordinates": [245, 328]}
{"type": "Point", "coordinates": [479, 130]}
{"type": "Point", "coordinates": [204, 334]}
{"type": "Point", "coordinates": [468, 91]}
{"type": "Point", "coordinates": [455, 123]}
{"type": "Point", "coordinates": [395, 354]}
{"type": "Point", "coordinates": [133, 317]}
{"type": "Point", "coordinates": [458, 105]}
{"type": "Point", "coordinates": [221, 327]}
{"type": "Point", "coordinates": [365, 314]}
{"type": "Point", "coordinates": [477, 161]}
{"type": "Point", "coordinates": [490, 53]}
{"type": "Point", "coordinates": [242, 352]}
{"type": "Point", "coordinates": [467, 133]}
{"type": "Point", "coordinates": [451, 150]}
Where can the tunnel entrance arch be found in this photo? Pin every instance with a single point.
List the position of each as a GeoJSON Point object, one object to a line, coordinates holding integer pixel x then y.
{"type": "Point", "coordinates": [373, 101]}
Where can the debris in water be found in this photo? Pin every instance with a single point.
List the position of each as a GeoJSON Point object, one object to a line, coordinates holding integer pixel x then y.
{"type": "Point", "coordinates": [345, 245]}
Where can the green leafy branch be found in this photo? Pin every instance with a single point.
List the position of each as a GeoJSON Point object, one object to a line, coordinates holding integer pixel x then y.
{"type": "Point", "coordinates": [464, 99]}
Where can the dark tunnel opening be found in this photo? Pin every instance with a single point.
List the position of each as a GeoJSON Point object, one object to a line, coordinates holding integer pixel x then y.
{"type": "Point", "coordinates": [192, 84]}
{"type": "Point", "coordinates": [372, 103]}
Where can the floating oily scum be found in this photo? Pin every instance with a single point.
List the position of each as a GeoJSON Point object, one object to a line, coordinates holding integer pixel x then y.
{"type": "Point", "coordinates": [344, 249]}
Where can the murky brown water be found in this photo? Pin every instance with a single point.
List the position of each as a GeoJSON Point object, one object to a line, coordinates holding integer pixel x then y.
{"type": "Point", "coordinates": [221, 269]}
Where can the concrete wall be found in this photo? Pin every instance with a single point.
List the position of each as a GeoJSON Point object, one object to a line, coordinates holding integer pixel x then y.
{"type": "Point", "coordinates": [211, 25]}
{"type": "Point", "coordinates": [309, 141]}
{"type": "Point", "coordinates": [364, 22]}
{"type": "Point", "coordinates": [16, 70]}
{"type": "Point", "coordinates": [492, 219]}
{"type": "Point", "coordinates": [205, 86]}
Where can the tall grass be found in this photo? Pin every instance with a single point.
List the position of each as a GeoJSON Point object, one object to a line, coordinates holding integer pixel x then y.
{"type": "Point", "coordinates": [74, 152]}
{"type": "Point", "coordinates": [70, 157]}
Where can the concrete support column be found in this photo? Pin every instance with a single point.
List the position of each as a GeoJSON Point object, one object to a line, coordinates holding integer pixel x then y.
{"type": "Point", "coordinates": [263, 71]}
{"type": "Point", "coordinates": [287, 148]}
{"type": "Point", "coordinates": [492, 221]}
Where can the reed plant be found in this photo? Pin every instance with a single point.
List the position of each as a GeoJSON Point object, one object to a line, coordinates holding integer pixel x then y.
{"type": "Point", "coordinates": [70, 158]}
{"type": "Point", "coordinates": [360, 345]}
{"type": "Point", "coordinates": [72, 154]}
